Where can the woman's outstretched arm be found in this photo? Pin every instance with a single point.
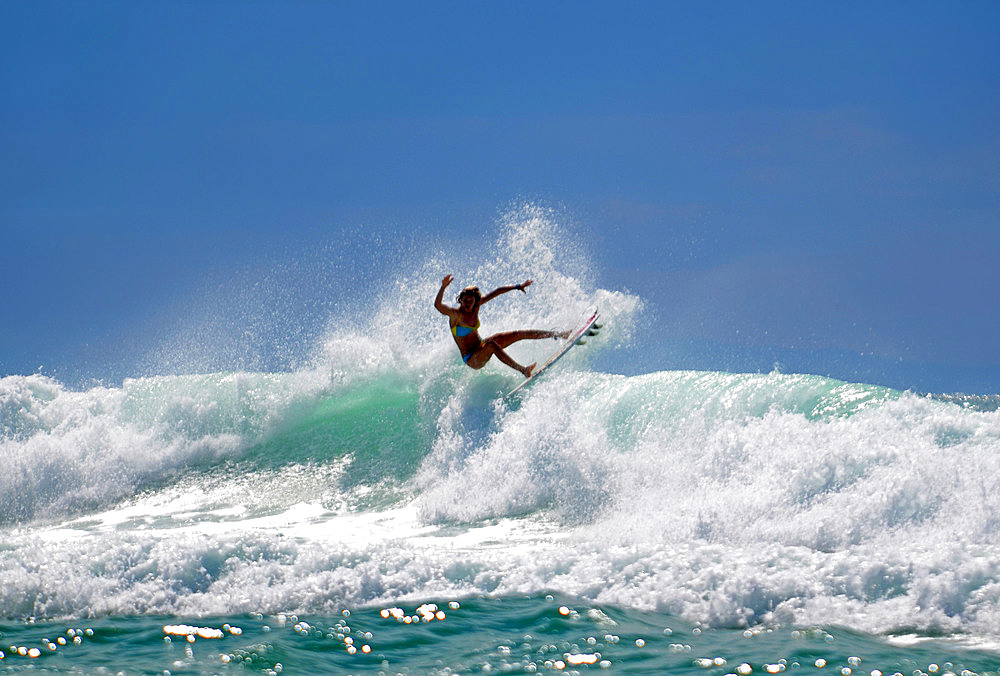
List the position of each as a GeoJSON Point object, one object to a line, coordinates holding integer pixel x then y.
{"type": "Point", "coordinates": [439, 301]}
{"type": "Point", "coordinates": [504, 289]}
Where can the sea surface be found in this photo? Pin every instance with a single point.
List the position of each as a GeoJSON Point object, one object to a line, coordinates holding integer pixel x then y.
{"type": "Point", "coordinates": [384, 509]}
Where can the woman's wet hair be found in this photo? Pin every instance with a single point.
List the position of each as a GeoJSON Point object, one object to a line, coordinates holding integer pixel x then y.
{"type": "Point", "coordinates": [470, 291]}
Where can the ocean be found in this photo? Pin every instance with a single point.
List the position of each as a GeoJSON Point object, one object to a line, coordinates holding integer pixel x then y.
{"type": "Point", "coordinates": [381, 508]}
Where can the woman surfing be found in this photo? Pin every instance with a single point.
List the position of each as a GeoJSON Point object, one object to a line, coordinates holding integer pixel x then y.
{"type": "Point", "coordinates": [464, 322]}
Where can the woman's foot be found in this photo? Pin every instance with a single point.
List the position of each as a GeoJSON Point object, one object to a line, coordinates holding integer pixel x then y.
{"type": "Point", "coordinates": [528, 369]}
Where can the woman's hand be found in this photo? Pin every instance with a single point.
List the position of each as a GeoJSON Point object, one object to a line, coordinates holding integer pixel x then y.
{"type": "Point", "coordinates": [525, 285]}
{"type": "Point", "coordinates": [439, 301]}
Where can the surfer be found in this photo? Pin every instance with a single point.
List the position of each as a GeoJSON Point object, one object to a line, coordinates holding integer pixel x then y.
{"type": "Point", "coordinates": [464, 321]}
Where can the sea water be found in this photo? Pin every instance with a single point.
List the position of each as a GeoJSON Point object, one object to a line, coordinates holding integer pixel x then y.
{"type": "Point", "coordinates": [384, 509]}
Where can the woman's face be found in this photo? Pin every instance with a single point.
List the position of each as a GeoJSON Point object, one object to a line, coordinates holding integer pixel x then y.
{"type": "Point", "coordinates": [467, 302]}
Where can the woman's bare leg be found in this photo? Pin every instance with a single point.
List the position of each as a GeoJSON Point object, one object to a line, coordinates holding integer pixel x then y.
{"type": "Point", "coordinates": [489, 348]}
{"type": "Point", "coordinates": [509, 361]}
{"type": "Point", "coordinates": [495, 344]}
{"type": "Point", "coordinates": [508, 338]}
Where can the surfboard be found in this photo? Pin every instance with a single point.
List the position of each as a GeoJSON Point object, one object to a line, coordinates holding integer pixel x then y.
{"type": "Point", "coordinates": [588, 327]}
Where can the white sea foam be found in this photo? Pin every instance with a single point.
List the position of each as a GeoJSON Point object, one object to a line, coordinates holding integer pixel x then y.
{"type": "Point", "coordinates": [735, 499]}
{"type": "Point", "coordinates": [66, 451]}
{"type": "Point", "coordinates": [775, 508]}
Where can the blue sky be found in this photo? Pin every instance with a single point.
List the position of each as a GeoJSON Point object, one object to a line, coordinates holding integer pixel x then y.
{"type": "Point", "coordinates": [815, 184]}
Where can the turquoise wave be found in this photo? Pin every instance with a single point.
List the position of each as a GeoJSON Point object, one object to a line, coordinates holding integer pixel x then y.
{"type": "Point", "coordinates": [75, 451]}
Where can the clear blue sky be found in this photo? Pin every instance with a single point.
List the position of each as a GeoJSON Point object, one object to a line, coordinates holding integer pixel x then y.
{"type": "Point", "coordinates": [812, 183]}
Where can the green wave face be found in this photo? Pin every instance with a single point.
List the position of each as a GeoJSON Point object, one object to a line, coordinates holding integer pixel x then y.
{"type": "Point", "coordinates": [378, 425]}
